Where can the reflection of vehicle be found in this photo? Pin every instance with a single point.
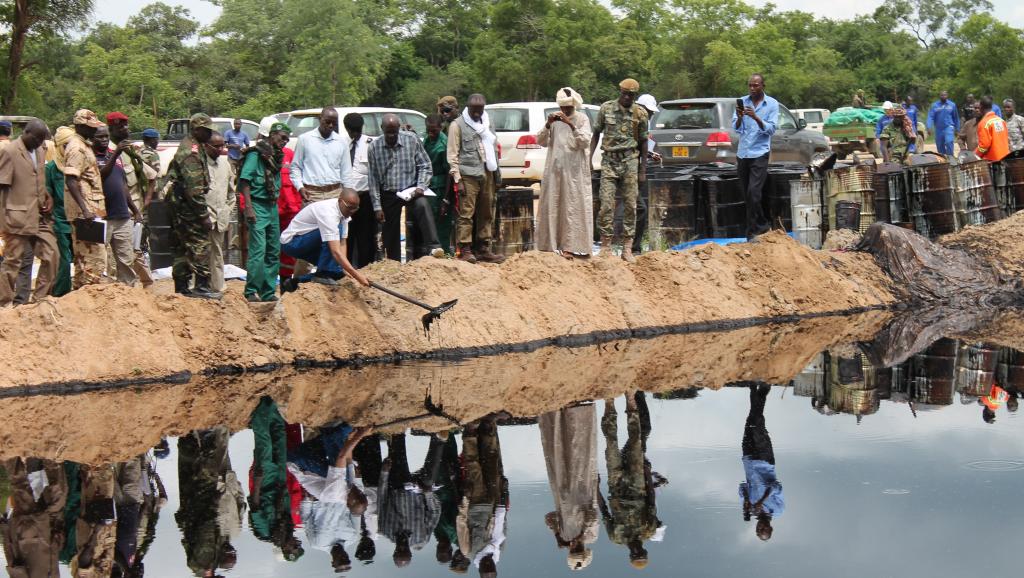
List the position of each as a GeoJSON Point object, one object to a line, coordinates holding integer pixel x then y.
{"type": "Point", "coordinates": [814, 117]}
{"type": "Point", "coordinates": [516, 125]}
{"type": "Point", "coordinates": [698, 130]}
{"type": "Point", "coordinates": [177, 129]}
{"type": "Point", "coordinates": [301, 121]}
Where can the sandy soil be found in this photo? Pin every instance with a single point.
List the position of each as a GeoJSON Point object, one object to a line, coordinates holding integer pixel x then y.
{"type": "Point", "coordinates": [116, 425]}
{"type": "Point", "coordinates": [115, 332]}
{"type": "Point", "coordinates": [999, 244]}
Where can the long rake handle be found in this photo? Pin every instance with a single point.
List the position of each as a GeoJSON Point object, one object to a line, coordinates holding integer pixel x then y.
{"type": "Point", "coordinates": [400, 296]}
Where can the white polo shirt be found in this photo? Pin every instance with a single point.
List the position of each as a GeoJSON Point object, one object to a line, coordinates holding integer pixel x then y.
{"type": "Point", "coordinates": [323, 215]}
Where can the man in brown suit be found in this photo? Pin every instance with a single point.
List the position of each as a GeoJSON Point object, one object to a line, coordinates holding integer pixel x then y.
{"type": "Point", "coordinates": [26, 218]}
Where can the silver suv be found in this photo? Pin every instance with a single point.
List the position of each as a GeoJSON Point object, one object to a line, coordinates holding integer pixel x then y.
{"type": "Point", "coordinates": [698, 130]}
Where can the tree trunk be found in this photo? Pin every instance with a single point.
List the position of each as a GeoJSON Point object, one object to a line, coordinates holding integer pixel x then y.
{"type": "Point", "coordinates": [19, 30]}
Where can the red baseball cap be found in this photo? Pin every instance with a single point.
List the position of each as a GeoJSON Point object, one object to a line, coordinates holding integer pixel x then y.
{"type": "Point", "coordinates": [115, 116]}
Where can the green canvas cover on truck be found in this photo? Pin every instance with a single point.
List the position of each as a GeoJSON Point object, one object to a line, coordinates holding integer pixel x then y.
{"type": "Point", "coordinates": [848, 115]}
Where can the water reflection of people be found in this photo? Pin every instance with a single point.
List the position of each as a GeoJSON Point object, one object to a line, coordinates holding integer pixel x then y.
{"type": "Point", "coordinates": [270, 516]}
{"type": "Point", "coordinates": [630, 512]}
{"type": "Point", "coordinates": [332, 503]}
{"type": "Point", "coordinates": [569, 440]}
{"type": "Point", "coordinates": [445, 472]}
{"type": "Point", "coordinates": [482, 521]}
{"type": "Point", "coordinates": [995, 399]}
{"type": "Point", "coordinates": [212, 503]}
{"type": "Point", "coordinates": [761, 492]}
{"type": "Point", "coordinates": [33, 533]}
{"type": "Point", "coordinates": [407, 508]}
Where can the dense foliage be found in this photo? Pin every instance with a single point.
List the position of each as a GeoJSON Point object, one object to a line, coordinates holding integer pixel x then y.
{"type": "Point", "coordinates": [266, 56]}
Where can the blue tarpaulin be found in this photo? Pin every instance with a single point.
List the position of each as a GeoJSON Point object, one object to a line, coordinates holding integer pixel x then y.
{"type": "Point", "coordinates": [699, 242]}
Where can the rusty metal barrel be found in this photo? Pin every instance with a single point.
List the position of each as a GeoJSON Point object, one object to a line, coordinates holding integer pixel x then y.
{"type": "Point", "coordinates": [808, 210]}
{"type": "Point", "coordinates": [932, 206]}
{"type": "Point", "coordinates": [1011, 370]}
{"type": "Point", "coordinates": [976, 201]}
{"type": "Point", "coordinates": [890, 192]}
{"type": "Point", "coordinates": [672, 210]}
{"type": "Point", "coordinates": [1002, 185]}
{"type": "Point", "coordinates": [976, 367]}
{"type": "Point", "coordinates": [727, 204]}
{"type": "Point", "coordinates": [777, 200]}
{"type": "Point", "coordinates": [514, 222]}
{"type": "Point", "coordinates": [856, 184]}
{"type": "Point", "coordinates": [1014, 169]}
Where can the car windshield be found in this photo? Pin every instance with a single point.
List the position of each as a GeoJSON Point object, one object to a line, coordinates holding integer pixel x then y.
{"type": "Point", "coordinates": [813, 117]}
{"type": "Point", "coordinates": [176, 129]}
{"type": "Point", "coordinates": [509, 119]}
{"type": "Point", "coordinates": [303, 124]}
{"type": "Point", "coordinates": [687, 115]}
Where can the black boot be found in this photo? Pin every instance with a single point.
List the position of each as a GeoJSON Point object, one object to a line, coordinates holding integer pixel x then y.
{"type": "Point", "coordinates": [181, 286]}
{"type": "Point", "coordinates": [202, 289]}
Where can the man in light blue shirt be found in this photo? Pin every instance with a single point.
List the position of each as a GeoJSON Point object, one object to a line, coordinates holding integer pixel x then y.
{"type": "Point", "coordinates": [322, 163]}
{"type": "Point", "coordinates": [756, 124]}
{"type": "Point", "coordinates": [761, 491]}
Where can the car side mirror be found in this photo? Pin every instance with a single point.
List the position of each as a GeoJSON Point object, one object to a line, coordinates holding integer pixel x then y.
{"type": "Point", "coordinates": [801, 123]}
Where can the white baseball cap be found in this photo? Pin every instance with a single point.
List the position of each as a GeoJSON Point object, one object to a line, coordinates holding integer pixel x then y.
{"type": "Point", "coordinates": [647, 101]}
{"type": "Point", "coordinates": [887, 105]}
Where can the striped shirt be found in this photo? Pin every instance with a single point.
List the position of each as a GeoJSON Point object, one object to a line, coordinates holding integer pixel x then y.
{"type": "Point", "coordinates": [399, 167]}
{"type": "Point", "coordinates": [404, 511]}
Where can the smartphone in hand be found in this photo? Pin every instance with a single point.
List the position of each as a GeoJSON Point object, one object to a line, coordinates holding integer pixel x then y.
{"type": "Point", "coordinates": [739, 106]}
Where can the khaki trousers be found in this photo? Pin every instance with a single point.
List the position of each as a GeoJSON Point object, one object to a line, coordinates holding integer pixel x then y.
{"type": "Point", "coordinates": [218, 246]}
{"type": "Point", "coordinates": [122, 251]}
{"type": "Point", "coordinates": [476, 198]}
{"type": "Point", "coordinates": [44, 247]}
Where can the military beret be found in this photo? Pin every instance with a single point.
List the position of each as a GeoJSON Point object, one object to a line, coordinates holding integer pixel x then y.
{"type": "Point", "coordinates": [280, 126]}
{"type": "Point", "coordinates": [200, 120]}
{"type": "Point", "coordinates": [150, 133]}
{"type": "Point", "coordinates": [630, 85]}
{"type": "Point", "coordinates": [6, 124]}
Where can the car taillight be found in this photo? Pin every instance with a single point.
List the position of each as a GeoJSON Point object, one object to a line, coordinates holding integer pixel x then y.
{"type": "Point", "coordinates": [718, 139]}
{"type": "Point", "coordinates": [527, 141]}
{"type": "Point", "coordinates": [499, 150]}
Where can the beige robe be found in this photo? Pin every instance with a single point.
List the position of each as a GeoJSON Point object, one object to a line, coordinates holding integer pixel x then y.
{"type": "Point", "coordinates": [569, 440]}
{"type": "Point", "coordinates": [565, 221]}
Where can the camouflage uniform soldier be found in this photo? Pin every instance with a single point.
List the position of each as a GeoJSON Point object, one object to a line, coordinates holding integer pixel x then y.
{"type": "Point", "coordinates": [623, 163]}
{"type": "Point", "coordinates": [190, 221]}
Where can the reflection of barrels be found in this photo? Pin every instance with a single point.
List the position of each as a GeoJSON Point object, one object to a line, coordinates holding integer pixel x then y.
{"type": "Point", "coordinates": [779, 205]}
{"type": "Point", "coordinates": [1011, 370]}
{"type": "Point", "coordinates": [159, 216]}
{"type": "Point", "coordinates": [933, 373]}
{"type": "Point", "coordinates": [852, 386]}
{"type": "Point", "coordinates": [672, 210]}
{"type": "Point", "coordinates": [1014, 169]}
{"type": "Point", "coordinates": [931, 200]}
{"type": "Point", "coordinates": [514, 221]}
{"type": "Point", "coordinates": [807, 211]}
{"type": "Point", "coordinates": [975, 194]}
{"type": "Point", "coordinates": [976, 368]}
{"type": "Point", "coordinates": [852, 184]}
{"type": "Point", "coordinates": [889, 190]}
{"type": "Point", "coordinates": [727, 206]}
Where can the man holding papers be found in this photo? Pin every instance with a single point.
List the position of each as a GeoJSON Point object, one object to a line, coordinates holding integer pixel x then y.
{"type": "Point", "coordinates": [400, 172]}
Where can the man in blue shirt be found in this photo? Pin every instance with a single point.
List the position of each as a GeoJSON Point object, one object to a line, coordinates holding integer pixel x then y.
{"type": "Point", "coordinates": [911, 108]}
{"type": "Point", "coordinates": [236, 142]}
{"type": "Point", "coordinates": [755, 124]}
{"type": "Point", "coordinates": [761, 491]}
{"type": "Point", "coordinates": [944, 120]}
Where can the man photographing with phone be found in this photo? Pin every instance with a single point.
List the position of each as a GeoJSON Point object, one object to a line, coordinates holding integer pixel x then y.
{"type": "Point", "coordinates": [755, 120]}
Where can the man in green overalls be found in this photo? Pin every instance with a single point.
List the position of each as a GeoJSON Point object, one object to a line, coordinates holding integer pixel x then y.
{"type": "Point", "coordinates": [436, 145]}
{"type": "Point", "coordinates": [259, 183]}
{"type": "Point", "coordinates": [61, 227]}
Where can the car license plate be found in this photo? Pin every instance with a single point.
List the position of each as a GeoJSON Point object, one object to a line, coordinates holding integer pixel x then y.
{"type": "Point", "coordinates": [680, 151]}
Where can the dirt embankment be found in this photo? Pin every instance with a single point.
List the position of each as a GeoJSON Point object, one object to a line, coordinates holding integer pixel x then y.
{"type": "Point", "coordinates": [115, 332]}
{"type": "Point", "coordinates": [999, 245]}
{"type": "Point", "coordinates": [116, 425]}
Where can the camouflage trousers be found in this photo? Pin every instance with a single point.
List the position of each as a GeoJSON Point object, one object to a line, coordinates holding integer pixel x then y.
{"type": "Point", "coordinates": [618, 175]}
{"type": "Point", "coordinates": [190, 241]}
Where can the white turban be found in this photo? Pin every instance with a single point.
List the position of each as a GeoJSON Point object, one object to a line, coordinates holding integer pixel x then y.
{"type": "Point", "coordinates": [568, 97]}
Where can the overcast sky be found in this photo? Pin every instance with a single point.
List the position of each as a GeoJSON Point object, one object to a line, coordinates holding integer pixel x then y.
{"type": "Point", "coordinates": [1010, 11]}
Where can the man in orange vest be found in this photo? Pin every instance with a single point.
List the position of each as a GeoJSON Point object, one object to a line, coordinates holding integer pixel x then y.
{"type": "Point", "coordinates": [993, 137]}
{"type": "Point", "coordinates": [993, 401]}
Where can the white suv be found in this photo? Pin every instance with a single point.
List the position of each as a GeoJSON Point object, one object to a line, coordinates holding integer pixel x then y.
{"type": "Point", "coordinates": [516, 125]}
